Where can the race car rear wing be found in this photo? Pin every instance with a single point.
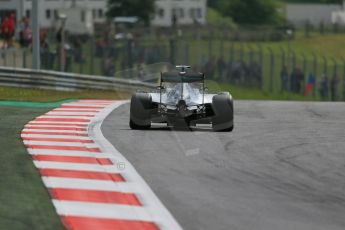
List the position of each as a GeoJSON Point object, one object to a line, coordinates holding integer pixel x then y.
{"type": "Point", "coordinates": [182, 77]}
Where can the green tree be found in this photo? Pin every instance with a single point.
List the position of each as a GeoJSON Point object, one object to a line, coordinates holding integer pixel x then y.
{"type": "Point", "coordinates": [255, 12]}
{"type": "Point", "coordinates": [143, 9]}
{"type": "Point", "coordinates": [217, 4]}
{"type": "Point", "coordinates": [252, 11]}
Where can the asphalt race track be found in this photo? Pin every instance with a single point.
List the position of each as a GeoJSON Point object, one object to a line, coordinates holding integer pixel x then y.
{"type": "Point", "coordinates": [283, 167]}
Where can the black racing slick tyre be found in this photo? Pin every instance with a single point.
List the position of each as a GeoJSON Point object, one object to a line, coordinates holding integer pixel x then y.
{"type": "Point", "coordinates": [223, 108]}
{"type": "Point", "coordinates": [140, 111]}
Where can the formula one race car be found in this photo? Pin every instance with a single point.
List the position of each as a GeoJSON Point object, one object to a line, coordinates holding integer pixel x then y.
{"type": "Point", "coordinates": [181, 101]}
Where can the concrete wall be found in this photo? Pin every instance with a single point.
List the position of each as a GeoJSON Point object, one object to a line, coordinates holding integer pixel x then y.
{"type": "Point", "coordinates": [299, 13]}
{"type": "Point", "coordinates": [187, 12]}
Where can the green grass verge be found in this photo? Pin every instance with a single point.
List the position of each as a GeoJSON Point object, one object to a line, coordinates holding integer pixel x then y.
{"type": "Point", "coordinates": [24, 201]}
{"type": "Point", "coordinates": [39, 95]}
{"type": "Point", "coordinates": [240, 93]}
{"type": "Point", "coordinates": [47, 99]}
{"type": "Point", "coordinates": [32, 104]}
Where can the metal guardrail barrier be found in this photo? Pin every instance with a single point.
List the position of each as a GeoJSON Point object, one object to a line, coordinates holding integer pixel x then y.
{"type": "Point", "coordinates": [53, 80]}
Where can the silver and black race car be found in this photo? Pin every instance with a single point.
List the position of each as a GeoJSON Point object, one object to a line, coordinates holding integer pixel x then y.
{"type": "Point", "coordinates": [181, 101]}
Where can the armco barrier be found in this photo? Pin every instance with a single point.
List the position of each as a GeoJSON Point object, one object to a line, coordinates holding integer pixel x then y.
{"type": "Point", "coordinates": [43, 79]}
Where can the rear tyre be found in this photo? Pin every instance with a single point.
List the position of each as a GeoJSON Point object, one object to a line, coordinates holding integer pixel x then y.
{"type": "Point", "coordinates": [223, 119]}
{"type": "Point", "coordinates": [140, 111]}
{"type": "Point", "coordinates": [133, 125]}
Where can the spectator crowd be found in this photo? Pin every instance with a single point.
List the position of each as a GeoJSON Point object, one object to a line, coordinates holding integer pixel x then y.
{"type": "Point", "coordinates": [298, 83]}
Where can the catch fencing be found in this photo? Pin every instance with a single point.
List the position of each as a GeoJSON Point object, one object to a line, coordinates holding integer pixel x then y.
{"type": "Point", "coordinates": [272, 68]}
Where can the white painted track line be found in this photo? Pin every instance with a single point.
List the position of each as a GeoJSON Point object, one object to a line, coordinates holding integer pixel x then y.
{"type": "Point", "coordinates": [101, 185]}
{"type": "Point", "coordinates": [52, 131]}
{"type": "Point", "coordinates": [77, 116]}
{"type": "Point", "coordinates": [125, 212]}
{"type": "Point", "coordinates": [61, 122]}
{"type": "Point", "coordinates": [35, 125]}
{"type": "Point", "coordinates": [69, 153]}
{"type": "Point", "coordinates": [88, 145]}
{"type": "Point", "coordinates": [70, 114]}
{"type": "Point", "coordinates": [76, 166]}
{"type": "Point", "coordinates": [55, 136]}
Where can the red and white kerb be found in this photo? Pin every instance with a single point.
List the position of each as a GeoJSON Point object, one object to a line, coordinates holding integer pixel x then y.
{"type": "Point", "coordinates": [81, 171]}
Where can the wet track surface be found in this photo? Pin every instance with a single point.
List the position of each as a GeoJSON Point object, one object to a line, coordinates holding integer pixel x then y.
{"type": "Point", "coordinates": [283, 167]}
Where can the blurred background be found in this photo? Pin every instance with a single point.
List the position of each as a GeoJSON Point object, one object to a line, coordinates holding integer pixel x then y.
{"type": "Point", "coordinates": [257, 49]}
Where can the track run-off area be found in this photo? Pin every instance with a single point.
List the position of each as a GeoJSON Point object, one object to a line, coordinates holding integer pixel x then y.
{"type": "Point", "coordinates": [283, 167]}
